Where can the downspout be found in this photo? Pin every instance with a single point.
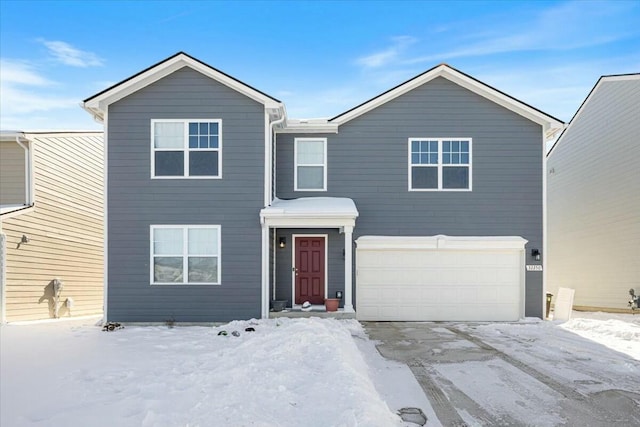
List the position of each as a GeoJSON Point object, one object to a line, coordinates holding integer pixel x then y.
{"type": "Point", "coordinates": [27, 172]}
{"type": "Point", "coordinates": [268, 194]}
{"type": "Point", "coordinates": [272, 136]}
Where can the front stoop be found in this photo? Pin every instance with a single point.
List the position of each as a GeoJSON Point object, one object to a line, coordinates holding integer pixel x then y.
{"type": "Point", "coordinates": [316, 311]}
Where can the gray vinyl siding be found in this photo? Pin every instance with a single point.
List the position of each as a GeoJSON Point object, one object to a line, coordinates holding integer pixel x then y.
{"type": "Point", "coordinates": [594, 200]}
{"type": "Point", "coordinates": [368, 162]}
{"type": "Point", "coordinates": [135, 202]}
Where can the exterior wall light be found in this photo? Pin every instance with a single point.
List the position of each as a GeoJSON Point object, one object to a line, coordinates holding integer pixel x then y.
{"type": "Point", "coordinates": [282, 242]}
{"type": "Point", "coordinates": [535, 253]}
{"type": "Point", "coordinates": [339, 294]}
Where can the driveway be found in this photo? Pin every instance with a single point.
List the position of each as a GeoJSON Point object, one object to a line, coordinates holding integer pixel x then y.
{"type": "Point", "coordinates": [523, 374]}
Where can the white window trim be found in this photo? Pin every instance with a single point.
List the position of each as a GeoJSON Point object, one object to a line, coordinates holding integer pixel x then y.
{"type": "Point", "coordinates": [185, 255]}
{"type": "Point", "coordinates": [186, 148]}
{"type": "Point", "coordinates": [295, 165]}
{"type": "Point", "coordinates": [440, 166]}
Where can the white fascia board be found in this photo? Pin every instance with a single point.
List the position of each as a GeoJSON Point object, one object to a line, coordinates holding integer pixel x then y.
{"type": "Point", "coordinates": [550, 125]}
{"type": "Point", "coordinates": [100, 102]}
{"type": "Point", "coordinates": [441, 242]}
{"type": "Point", "coordinates": [309, 128]}
{"type": "Point", "coordinates": [308, 222]}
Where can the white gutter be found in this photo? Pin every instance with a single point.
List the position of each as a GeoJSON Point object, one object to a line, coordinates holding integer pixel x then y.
{"type": "Point", "coordinates": [272, 146]}
{"type": "Point", "coordinates": [27, 171]}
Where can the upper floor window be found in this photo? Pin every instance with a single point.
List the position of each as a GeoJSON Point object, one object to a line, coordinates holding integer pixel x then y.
{"type": "Point", "coordinates": [310, 168]}
{"type": "Point", "coordinates": [186, 148]}
{"type": "Point", "coordinates": [440, 164]}
{"type": "Point", "coordinates": [185, 254]}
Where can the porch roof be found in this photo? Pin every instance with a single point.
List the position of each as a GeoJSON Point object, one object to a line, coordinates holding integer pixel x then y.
{"type": "Point", "coordinates": [310, 212]}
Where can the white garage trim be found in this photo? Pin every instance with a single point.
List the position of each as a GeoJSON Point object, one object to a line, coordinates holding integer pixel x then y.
{"type": "Point", "coordinates": [440, 278]}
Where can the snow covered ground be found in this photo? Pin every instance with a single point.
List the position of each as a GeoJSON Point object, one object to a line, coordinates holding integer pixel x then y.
{"type": "Point", "coordinates": [289, 372]}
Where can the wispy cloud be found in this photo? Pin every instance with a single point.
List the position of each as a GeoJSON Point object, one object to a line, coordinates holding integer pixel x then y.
{"type": "Point", "coordinates": [567, 26]}
{"type": "Point", "coordinates": [388, 55]}
{"type": "Point", "coordinates": [24, 93]}
{"type": "Point", "coordinates": [68, 55]}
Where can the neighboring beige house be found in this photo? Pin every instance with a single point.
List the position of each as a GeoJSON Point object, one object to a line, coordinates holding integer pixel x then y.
{"type": "Point", "coordinates": [51, 224]}
{"type": "Point", "coordinates": [593, 198]}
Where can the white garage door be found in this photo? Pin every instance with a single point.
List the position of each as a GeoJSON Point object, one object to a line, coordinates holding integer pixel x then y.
{"type": "Point", "coordinates": [440, 278]}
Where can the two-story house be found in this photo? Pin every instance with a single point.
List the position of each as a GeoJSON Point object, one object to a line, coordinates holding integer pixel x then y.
{"type": "Point", "coordinates": [423, 203]}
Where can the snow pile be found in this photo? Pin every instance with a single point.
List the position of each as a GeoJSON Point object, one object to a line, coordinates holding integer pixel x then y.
{"type": "Point", "coordinates": [619, 335]}
{"type": "Point", "coordinates": [289, 372]}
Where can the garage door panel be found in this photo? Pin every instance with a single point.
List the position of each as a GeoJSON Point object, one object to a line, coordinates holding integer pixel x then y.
{"type": "Point", "coordinates": [441, 284]}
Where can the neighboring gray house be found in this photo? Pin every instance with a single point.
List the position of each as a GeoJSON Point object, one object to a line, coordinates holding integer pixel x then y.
{"type": "Point", "coordinates": [594, 198]}
{"type": "Point", "coordinates": [423, 203]}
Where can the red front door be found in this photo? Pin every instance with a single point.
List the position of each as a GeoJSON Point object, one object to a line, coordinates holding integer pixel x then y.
{"type": "Point", "coordinates": [309, 269]}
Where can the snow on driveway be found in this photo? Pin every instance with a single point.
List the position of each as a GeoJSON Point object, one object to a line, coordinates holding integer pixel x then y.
{"type": "Point", "coordinates": [306, 372]}
{"type": "Point", "coordinates": [289, 372]}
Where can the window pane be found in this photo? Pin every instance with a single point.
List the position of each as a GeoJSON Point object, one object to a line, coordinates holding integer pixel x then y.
{"type": "Point", "coordinates": [167, 270]}
{"type": "Point", "coordinates": [446, 146]}
{"type": "Point", "coordinates": [415, 158]}
{"type": "Point", "coordinates": [446, 158]}
{"type": "Point", "coordinates": [433, 146]}
{"type": "Point", "coordinates": [169, 163]}
{"type": "Point", "coordinates": [415, 146]}
{"type": "Point", "coordinates": [203, 270]}
{"type": "Point", "coordinates": [213, 142]}
{"type": "Point", "coordinates": [193, 129]}
{"type": "Point", "coordinates": [167, 241]}
{"type": "Point", "coordinates": [464, 159]}
{"type": "Point", "coordinates": [310, 152]}
{"type": "Point", "coordinates": [424, 159]}
{"type": "Point", "coordinates": [213, 128]}
{"type": "Point", "coordinates": [310, 177]}
{"type": "Point", "coordinates": [203, 163]}
{"type": "Point", "coordinates": [455, 177]}
{"type": "Point", "coordinates": [424, 177]}
{"type": "Point", "coordinates": [168, 135]}
{"type": "Point", "coordinates": [204, 128]}
{"type": "Point", "coordinates": [203, 241]}
{"type": "Point", "coordinates": [464, 146]}
{"type": "Point", "coordinates": [193, 142]}
{"type": "Point", "coordinates": [455, 159]}
{"type": "Point", "coordinates": [204, 142]}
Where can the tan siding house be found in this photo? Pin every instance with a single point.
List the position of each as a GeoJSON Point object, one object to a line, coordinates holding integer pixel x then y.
{"type": "Point", "coordinates": [53, 248]}
{"type": "Point", "coordinates": [593, 191]}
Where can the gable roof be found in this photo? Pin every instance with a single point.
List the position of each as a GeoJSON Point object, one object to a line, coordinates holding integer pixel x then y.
{"type": "Point", "coordinates": [601, 80]}
{"type": "Point", "coordinates": [549, 123]}
{"type": "Point", "coordinates": [96, 104]}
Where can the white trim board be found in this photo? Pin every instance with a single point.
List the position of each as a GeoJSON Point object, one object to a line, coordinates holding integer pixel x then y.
{"type": "Point", "coordinates": [550, 124]}
{"type": "Point", "coordinates": [97, 104]}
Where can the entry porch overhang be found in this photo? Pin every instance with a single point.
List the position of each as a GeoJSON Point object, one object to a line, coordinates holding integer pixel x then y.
{"type": "Point", "coordinates": [310, 212]}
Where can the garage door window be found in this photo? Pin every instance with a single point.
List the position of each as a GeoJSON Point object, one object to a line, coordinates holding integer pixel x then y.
{"type": "Point", "coordinates": [440, 164]}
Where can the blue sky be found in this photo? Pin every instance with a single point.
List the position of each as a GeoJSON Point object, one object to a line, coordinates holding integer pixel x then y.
{"type": "Point", "coordinates": [320, 58]}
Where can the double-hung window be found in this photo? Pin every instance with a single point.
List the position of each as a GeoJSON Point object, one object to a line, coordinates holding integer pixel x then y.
{"type": "Point", "coordinates": [310, 168]}
{"type": "Point", "coordinates": [186, 148]}
{"type": "Point", "coordinates": [185, 254]}
{"type": "Point", "coordinates": [440, 164]}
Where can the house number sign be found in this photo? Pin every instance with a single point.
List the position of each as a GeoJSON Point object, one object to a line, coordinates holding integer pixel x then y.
{"type": "Point", "coordinates": [535, 267]}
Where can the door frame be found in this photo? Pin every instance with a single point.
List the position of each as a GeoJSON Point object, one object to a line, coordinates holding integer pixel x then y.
{"type": "Point", "coordinates": [293, 264]}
